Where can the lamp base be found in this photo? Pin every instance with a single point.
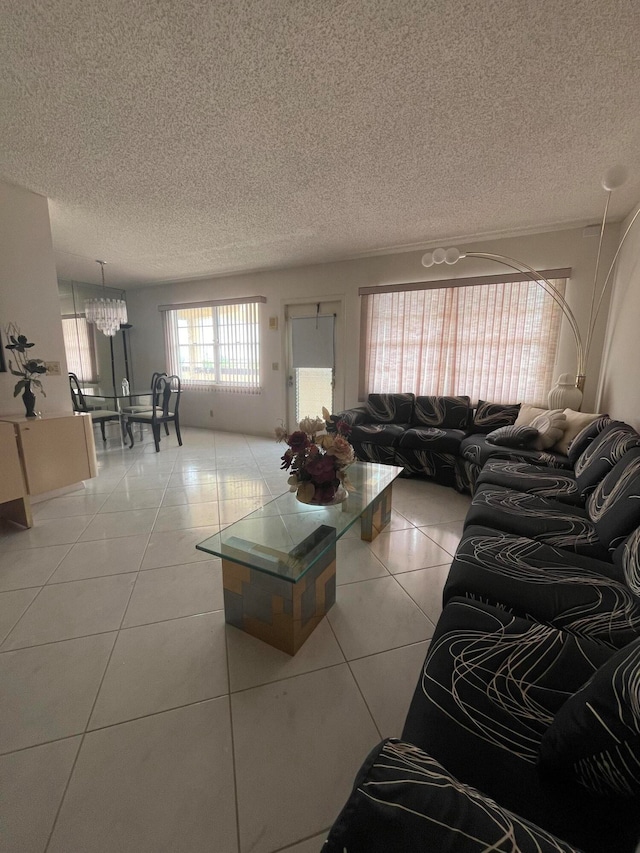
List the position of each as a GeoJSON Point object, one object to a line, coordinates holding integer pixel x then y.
{"type": "Point", "coordinates": [565, 394]}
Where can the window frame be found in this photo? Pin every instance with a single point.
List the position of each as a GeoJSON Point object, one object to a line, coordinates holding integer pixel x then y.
{"type": "Point", "coordinates": [251, 345]}
{"type": "Point", "coordinates": [449, 342]}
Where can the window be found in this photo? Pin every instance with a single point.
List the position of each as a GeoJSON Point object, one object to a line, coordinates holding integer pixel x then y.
{"type": "Point", "coordinates": [215, 344]}
{"type": "Point", "coordinates": [80, 347]}
{"type": "Point", "coordinates": [495, 339]}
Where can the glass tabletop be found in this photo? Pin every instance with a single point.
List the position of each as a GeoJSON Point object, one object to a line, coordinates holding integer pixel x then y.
{"type": "Point", "coordinates": [285, 537]}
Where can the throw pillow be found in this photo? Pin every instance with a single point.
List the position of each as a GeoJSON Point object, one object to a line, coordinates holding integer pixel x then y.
{"type": "Point", "coordinates": [575, 422]}
{"type": "Point", "coordinates": [527, 413]}
{"type": "Point", "coordinates": [550, 426]}
{"type": "Point", "coordinates": [513, 436]}
{"type": "Point", "coordinates": [595, 736]}
{"type": "Point", "coordinates": [490, 416]}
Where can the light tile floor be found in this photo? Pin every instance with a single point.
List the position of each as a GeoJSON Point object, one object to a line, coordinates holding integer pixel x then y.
{"type": "Point", "coordinates": [134, 719]}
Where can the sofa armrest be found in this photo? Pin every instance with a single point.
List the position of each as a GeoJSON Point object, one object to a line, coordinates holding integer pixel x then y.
{"type": "Point", "coordinates": [405, 801]}
{"type": "Point", "coordinates": [353, 417]}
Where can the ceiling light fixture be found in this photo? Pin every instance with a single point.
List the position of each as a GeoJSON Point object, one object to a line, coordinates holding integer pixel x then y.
{"type": "Point", "coordinates": [107, 314]}
{"type": "Point", "coordinates": [613, 179]}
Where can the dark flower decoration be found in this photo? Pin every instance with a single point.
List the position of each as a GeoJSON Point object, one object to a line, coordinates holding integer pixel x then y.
{"type": "Point", "coordinates": [26, 368]}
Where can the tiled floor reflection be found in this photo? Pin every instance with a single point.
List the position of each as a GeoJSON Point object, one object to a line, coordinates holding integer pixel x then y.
{"type": "Point", "coordinates": [134, 719]}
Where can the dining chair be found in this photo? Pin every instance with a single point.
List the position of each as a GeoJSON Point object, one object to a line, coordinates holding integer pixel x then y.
{"type": "Point", "coordinates": [165, 396]}
{"type": "Point", "coordinates": [143, 407]}
{"type": "Point", "coordinates": [98, 416]}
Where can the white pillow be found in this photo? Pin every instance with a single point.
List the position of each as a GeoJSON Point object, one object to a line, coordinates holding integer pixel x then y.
{"type": "Point", "coordinates": [528, 413]}
{"type": "Point", "coordinates": [550, 426]}
{"type": "Point", "coordinates": [575, 423]}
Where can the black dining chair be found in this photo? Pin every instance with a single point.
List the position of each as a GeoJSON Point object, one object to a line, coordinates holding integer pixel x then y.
{"type": "Point", "coordinates": [165, 396]}
{"type": "Point", "coordinates": [98, 416]}
{"type": "Point", "coordinates": [144, 407]}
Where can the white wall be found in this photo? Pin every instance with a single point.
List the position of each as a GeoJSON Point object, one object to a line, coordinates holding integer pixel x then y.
{"type": "Point", "coordinates": [29, 294]}
{"type": "Point", "coordinates": [259, 414]}
{"type": "Point", "coordinates": [620, 381]}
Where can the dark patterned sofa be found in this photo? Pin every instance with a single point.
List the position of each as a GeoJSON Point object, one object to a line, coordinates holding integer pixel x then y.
{"type": "Point", "coordinates": [443, 438]}
{"type": "Point", "coordinates": [524, 729]}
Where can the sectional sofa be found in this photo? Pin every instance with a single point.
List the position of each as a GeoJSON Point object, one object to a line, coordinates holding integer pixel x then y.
{"type": "Point", "coordinates": [524, 729]}
{"type": "Point", "coordinates": [444, 438]}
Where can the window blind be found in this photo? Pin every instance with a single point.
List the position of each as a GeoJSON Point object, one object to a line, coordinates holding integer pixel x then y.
{"type": "Point", "coordinates": [79, 347]}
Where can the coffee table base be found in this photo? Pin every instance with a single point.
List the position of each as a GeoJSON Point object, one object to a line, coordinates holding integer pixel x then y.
{"type": "Point", "coordinates": [276, 611]}
{"type": "Point", "coordinates": [376, 517]}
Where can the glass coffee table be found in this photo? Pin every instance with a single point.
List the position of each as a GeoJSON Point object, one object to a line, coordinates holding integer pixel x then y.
{"type": "Point", "coordinates": [279, 562]}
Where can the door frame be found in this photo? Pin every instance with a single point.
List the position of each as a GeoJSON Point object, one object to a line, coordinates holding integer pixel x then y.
{"type": "Point", "coordinates": [339, 363]}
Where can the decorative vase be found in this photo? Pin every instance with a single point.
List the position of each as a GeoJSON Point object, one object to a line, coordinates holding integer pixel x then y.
{"type": "Point", "coordinates": [29, 400]}
{"type": "Point", "coordinates": [341, 495]}
{"type": "Point", "coordinates": [565, 394]}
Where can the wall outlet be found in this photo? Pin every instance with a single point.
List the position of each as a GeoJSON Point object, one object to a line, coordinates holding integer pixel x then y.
{"type": "Point", "coordinates": [275, 365]}
{"type": "Point", "coordinates": [210, 413]}
{"type": "Point", "coordinates": [53, 368]}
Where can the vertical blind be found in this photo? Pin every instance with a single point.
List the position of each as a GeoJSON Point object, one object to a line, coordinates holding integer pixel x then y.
{"type": "Point", "coordinates": [493, 341]}
{"type": "Point", "coordinates": [215, 345]}
{"type": "Point", "coordinates": [79, 347]}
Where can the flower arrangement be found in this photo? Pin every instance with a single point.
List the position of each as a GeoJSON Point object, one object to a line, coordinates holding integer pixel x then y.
{"type": "Point", "coordinates": [317, 461]}
{"type": "Point", "coordinates": [28, 369]}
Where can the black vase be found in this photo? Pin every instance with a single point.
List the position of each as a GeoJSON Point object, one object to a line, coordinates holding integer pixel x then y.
{"type": "Point", "coordinates": [29, 400]}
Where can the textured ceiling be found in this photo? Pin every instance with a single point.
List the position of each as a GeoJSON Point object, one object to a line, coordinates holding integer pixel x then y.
{"type": "Point", "coordinates": [183, 138]}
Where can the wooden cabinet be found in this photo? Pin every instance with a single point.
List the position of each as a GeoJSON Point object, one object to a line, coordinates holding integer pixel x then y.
{"type": "Point", "coordinates": [55, 450]}
{"type": "Point", "coordinates": [14, 501]}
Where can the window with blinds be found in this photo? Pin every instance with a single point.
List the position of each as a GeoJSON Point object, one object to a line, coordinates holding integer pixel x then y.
{"type": "Point", "coordinates": [495, 341]}
{"type": "Point", "coordinates": [80, 347]}
{"type": "Point", "coordinates": [215, 344]}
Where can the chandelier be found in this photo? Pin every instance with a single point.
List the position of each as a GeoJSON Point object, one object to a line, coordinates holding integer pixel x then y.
{"type": "Point", "coordinates": [107, 314]}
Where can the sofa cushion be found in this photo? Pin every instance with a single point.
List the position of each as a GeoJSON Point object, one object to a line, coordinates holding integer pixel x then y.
{"type": "Point", "coordinates": [476, 449]}
{"type": "Point", "coordinates": [490, 416]}
{"type": "Point", "coordinates": [538, 518]}
{"type": "Point", "coordinates": [443, 412]}
{"type": "Point", "coordinates": [404, 801]}
{"type": "Point", "coordinates": [584, 438]}
{"type": "Point", "coordinates": [603, 453]}
{"type": "Point", "coordinates": [595, 736]}
{"type": "Point", "coordinates": [550, 426]}
{"type": "Point", "coordinates": [575, 422]}
{"type": "Point", "coordinates": [387, 434]}
{"type": "Point", "coordinates": [535, 479]}
{"type": "Point", "coordinates": [440, 440]}
{"type": "Point", "coordinates": [390, 408]}
{"type": "Point", "coordinates": [614, 506]}
{"type": "Point", "coordinates": [513, 436]}
{"type": "Point", "coordinates": [528, 413]}
{"type": "Point", "coordinates": [531, 579]}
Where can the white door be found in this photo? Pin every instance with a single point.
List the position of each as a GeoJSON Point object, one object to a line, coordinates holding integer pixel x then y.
{"type": "Point", "coordinates": [313, 337]}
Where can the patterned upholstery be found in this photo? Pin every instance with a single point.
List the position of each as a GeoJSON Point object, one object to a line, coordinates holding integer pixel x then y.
{"type": "Point", "coordinates": [595, 736]}
{"type": "Point", "coordinates": [535, 479]}
{"type": "Point", "coordinates": [382, 433]}
{"type": "Point", "coordinates": [476, 449]}
{"type": "Point", "coordinates": [443, 412]}
{"type": "Point", "coordinates": [432, 438]}
{"type": "Point", "coordinates": [628, 555]}
{"type": "Point", "coordinates": [391, 408]}
{"type": "Point", "coordinates": [584, 438]}
{"type": "Point", "coordinates": [490, 416]}
{"type": "Point", "coordinates": [490, 688]}
{"type": "Point", "coordinates": [577, 594]}
{"type": "Point", "coordinates": [538, 518]}
{"type": "Point", "coordinates": [513, 436]}
{"type": "Point", "coordinates": [404, 800]}
{"type": "Point", "coordinates": [603, 453]}
{"type": "Point", "coordinates": [614, 507]}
